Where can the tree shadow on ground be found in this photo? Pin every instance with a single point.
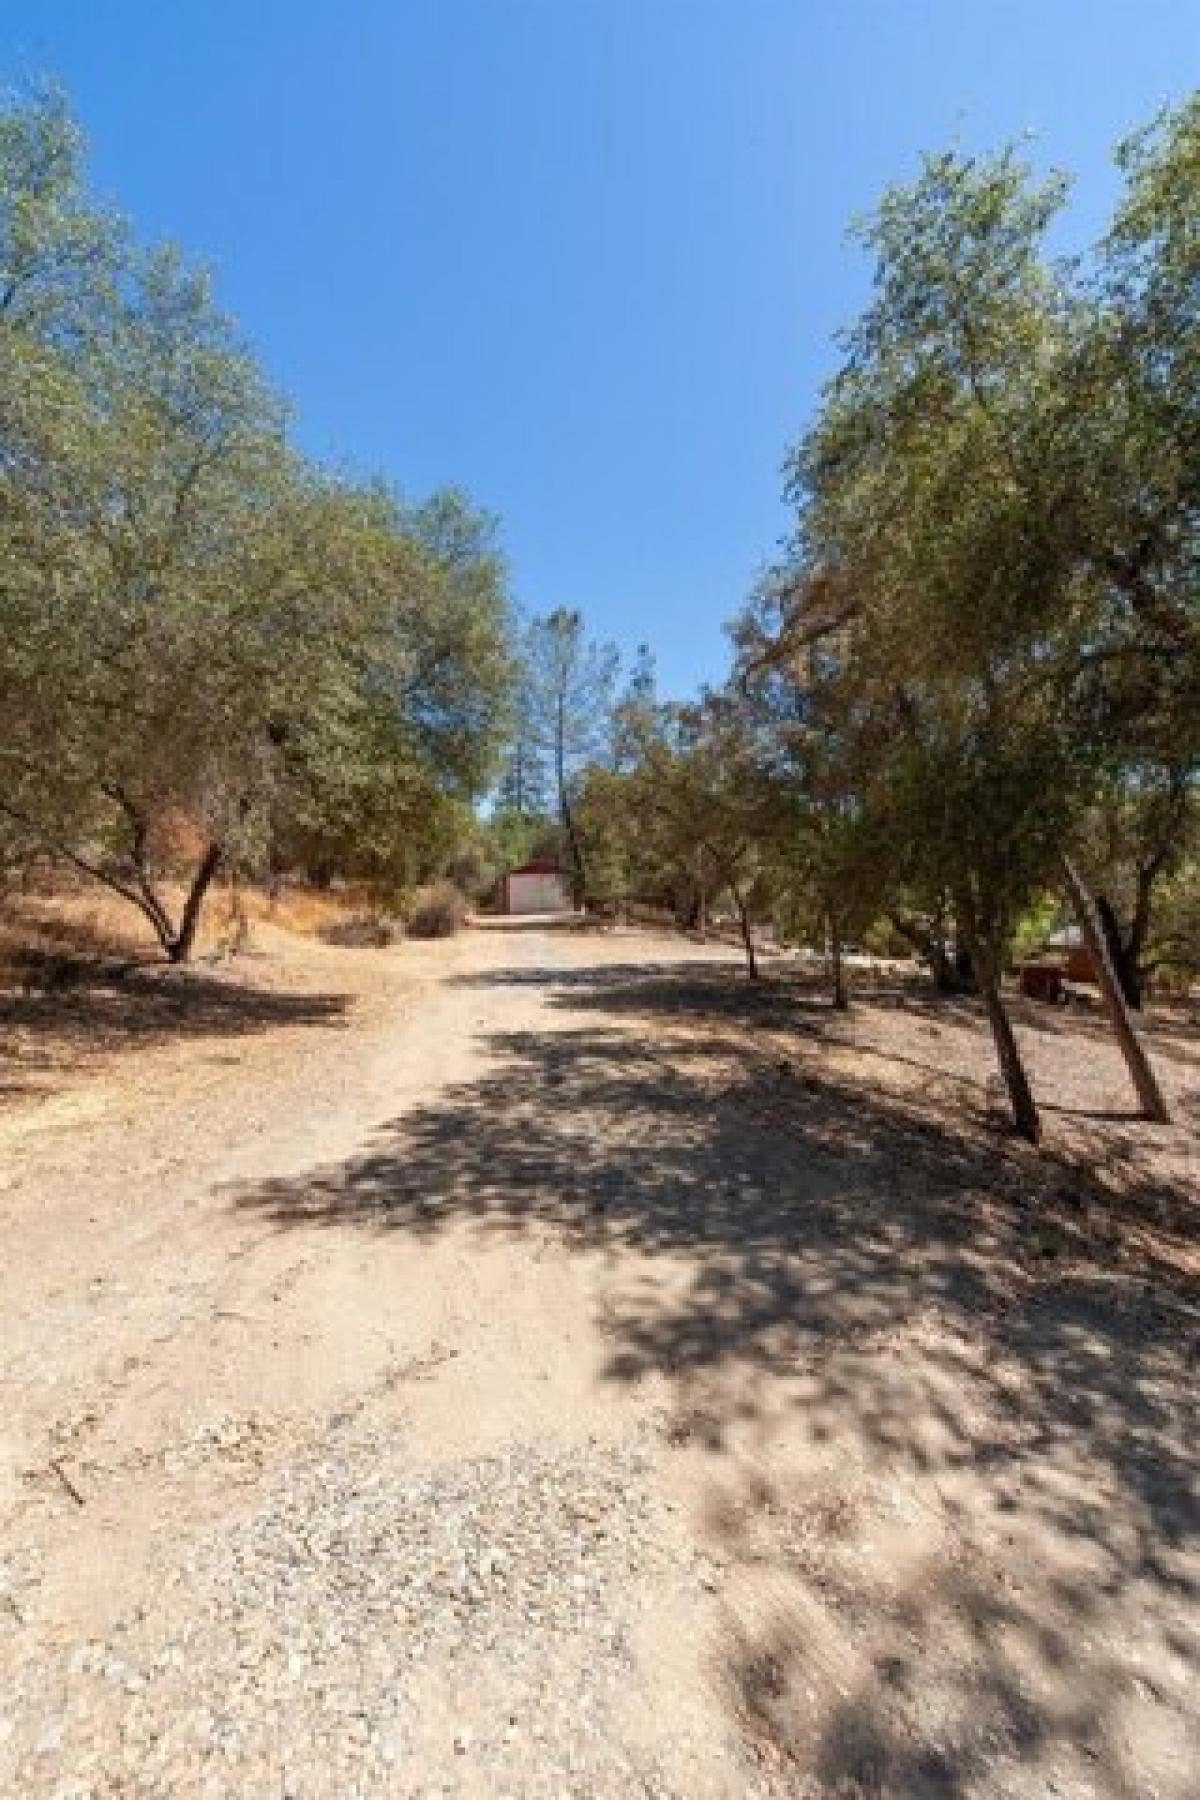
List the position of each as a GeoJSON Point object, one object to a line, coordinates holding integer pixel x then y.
{"type": "Point", "coordinates": [794, 1000]}
{"type": "Point", "coordinates": [803, 985]}
{"type": "Point", "coordinates": [939, 1389]}
{"type": "Point", "coordinates": [89, 1010]}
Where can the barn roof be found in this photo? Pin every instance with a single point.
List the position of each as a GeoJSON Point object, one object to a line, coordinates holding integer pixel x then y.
{"type": "Point", "coordinates": [539, 865]}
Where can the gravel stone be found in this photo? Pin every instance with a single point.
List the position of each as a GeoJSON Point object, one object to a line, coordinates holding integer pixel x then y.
{"type": "Point", "coordinates": [316, 1646]}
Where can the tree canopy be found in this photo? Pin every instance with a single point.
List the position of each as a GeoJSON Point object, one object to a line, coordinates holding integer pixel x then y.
{"type": "Point", "coordinates": [973, 674]}
{"type": "Point", "coordinates": [207, 643]}
{"type": "Point", "coordinates": [965, 694]}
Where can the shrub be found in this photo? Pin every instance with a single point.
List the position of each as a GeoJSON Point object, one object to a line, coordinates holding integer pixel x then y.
{"type": "Point", "coordinates": [361, 930]}
{"type": "Point", "coordinates": [438, 910]}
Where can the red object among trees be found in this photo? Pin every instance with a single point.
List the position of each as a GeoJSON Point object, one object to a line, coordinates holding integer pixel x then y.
{"type": "Point", "coordinates": [1042, 981]}
{"type": "Point", "coordinates": [537, 886]}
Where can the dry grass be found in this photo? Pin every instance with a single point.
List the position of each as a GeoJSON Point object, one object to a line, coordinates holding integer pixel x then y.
{"type": "Point", "coordinates": [44, 934]}
{"type": "Point", "coordinates": [82, 977]}
{"type": "Point", "coordinates": [305, 911]}
{"type": "Point", "coordinates": [55, 933]}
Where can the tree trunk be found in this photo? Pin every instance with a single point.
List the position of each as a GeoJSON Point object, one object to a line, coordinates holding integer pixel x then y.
{"type": "Point", "coordinates": [564, 809]}
{"type": "Point", "coordinates": [747, 936]}
{"type": "Point", "coordinates": [179, 949]}
{"type": "Point", "coordinates": [568, 820]}
{"type": "Point", "coordinates": [139, 889]}
{"type": "Point", "coordinates": [238, 918]}
{"type": "Point", "coordinates": [941, 967]}
{"type": "Point", "coordinates": [837, 973]}
{"type": "Point", "coordinates": [1133, 962]}
{"type": "Point", "coordinates": [1145, 1084]}
{"type": "Point", "coordinates": [1124, 956]}
{"type": "Point", "coordinates": [930, 946]}
{"type": "Point", "coordinates": [1020, 1094]}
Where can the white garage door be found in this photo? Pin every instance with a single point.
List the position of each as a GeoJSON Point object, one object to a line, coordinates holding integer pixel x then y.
{"type": "Point", "coordinates": [538, 894]}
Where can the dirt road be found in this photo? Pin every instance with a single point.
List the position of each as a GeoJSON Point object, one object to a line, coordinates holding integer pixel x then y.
{"type": "Point", "coordinates": [492, 1368]}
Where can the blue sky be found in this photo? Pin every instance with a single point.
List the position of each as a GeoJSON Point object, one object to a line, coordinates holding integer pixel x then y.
{"type": "Point", "coordinates": [584, 257]}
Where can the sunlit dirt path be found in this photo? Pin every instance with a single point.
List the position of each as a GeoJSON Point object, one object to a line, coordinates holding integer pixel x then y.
{"type": "Point", "coordinates": [508, 1372]}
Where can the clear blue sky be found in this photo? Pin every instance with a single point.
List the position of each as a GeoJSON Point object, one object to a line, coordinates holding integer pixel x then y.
{"type": "Point", "coordinates": [584, 257]}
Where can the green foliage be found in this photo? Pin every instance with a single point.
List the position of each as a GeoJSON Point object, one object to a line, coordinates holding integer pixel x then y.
{"type": "Point", "coordinates": [987, 627]}
{"type": "Point", "coordinates": [523, 791]}
{"type": "Point", "coordinates": [567, 689]}
{"type": "Point", "coordinates": [1175, 941]}
{"type": "Point", "coordinates": [684, 819]}
{"type": "Point", "coordinates": [58, 248]}
{"type": "Point", "coordinates": [1035, 925]}
{"type": "Point", "coordinates": [203, 640]}
{"type": "Point", "coordinates": [981, 650]}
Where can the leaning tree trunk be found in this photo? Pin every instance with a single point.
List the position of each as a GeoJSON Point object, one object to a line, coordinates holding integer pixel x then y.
{"type": "Point", "coordinates": [1125, 958]}
{"type": "Point", "coordinates": [837, 972]}
{"type": "Point", "coordinates": [1020, 1094]}
{"type": "Point", "coordinates": [179, 948]}
{"type": "Point", "coordinates": [1150, 1095]}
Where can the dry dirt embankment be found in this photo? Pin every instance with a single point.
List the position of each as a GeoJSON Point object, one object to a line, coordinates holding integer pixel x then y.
{"type": "Point", "coordinates": [540, 1364]}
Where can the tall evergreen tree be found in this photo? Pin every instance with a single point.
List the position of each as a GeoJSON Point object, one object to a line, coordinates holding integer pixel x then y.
{"type": "Point", "coordinates": [571, 685]}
